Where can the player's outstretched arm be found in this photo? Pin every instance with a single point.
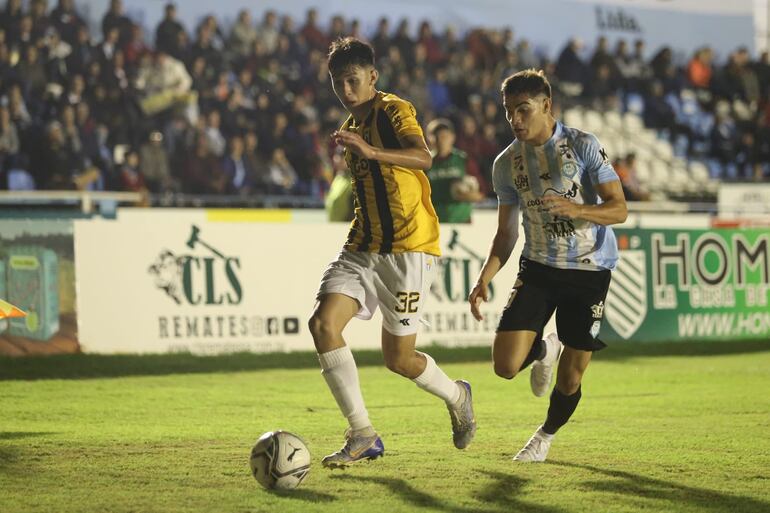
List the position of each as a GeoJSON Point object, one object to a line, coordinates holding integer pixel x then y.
{"type": "Point", "coordinates": [414, 153]}
{"type": "Point", "coordinates": [501, 249]}
{"type": "Point", "coordinates": [612, 210]}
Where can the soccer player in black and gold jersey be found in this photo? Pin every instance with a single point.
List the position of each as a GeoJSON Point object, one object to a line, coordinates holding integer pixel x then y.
{"type": "Point", "coordinates": [389, 257]}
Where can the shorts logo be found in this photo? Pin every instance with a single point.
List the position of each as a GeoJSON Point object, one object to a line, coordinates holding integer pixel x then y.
{"type": "Point", "coordinates": [598, 310]}
{"type": "Point", "coordinates": [595, 328]}
{"type": "Point", "coordinates": [404, 322]}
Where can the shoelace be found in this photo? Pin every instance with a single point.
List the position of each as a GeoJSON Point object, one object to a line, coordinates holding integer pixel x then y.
{"type": "Point", "coordinates": [533, 445]}
{"type": "Point", "coordinates": [459, 422]}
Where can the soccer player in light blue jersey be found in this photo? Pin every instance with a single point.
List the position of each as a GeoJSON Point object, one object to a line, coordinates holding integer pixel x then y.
{"type": "Point", "coordinates": [561, 180]}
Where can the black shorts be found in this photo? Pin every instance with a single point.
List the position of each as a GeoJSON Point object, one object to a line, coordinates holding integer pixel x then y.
{"type": "Point", "coordinates": [576, 295]}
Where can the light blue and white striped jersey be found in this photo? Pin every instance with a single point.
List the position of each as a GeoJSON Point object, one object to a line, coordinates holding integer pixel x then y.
{"type": "Point", "coordinates": [569, 164]}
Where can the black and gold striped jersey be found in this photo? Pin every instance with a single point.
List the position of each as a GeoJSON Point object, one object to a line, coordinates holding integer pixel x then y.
{"type": "Point", "coordinates": [393, 210]}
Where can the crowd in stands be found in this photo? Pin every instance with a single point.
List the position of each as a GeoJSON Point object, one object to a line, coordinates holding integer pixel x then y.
{"type": "Point", "coordinates": [247, 109]}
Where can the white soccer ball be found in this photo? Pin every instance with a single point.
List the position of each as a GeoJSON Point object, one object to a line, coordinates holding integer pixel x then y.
{"type": "Point", "coordinates": [280, 460]}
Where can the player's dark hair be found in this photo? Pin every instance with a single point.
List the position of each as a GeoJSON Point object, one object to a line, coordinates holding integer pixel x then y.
{"type": "Point", "coordinates": [349, 51]}
{"type": "Point", "coordinates": [439, 124]}
{"type": "Point", "coordinates": [529, 81]}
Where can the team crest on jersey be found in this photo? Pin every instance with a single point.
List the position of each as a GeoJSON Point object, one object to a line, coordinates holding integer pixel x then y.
{"type": "Point", "coordinates": [569, 169]}
{"type": "Point", "coordinates": [521, 182]}
{"type": "Point", "coordinates": [595, 328]}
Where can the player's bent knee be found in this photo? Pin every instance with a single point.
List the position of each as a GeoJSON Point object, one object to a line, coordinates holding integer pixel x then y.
{"type": "Point", "coordinates": [568, 386]}
{"type": "Point", "coordinates": [321, 328]}
{"type": "Point", "coordinates": [505, 370]}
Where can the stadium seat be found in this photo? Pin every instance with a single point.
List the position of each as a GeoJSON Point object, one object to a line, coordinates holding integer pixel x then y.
{"type": "Point", "coordinates": [633, 122]}
{"type": "Point", "coordinates": [573, 117]}
{"type": "Point", "coordinates": [613, 120]}
{"type": "Point", "coordinates": [593, 121]}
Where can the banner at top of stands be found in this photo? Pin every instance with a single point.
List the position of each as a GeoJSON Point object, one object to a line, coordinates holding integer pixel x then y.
{"type": "Point", "coordinates": [683, 25]}
{"type": "Point", "coordinates": [744, 7]}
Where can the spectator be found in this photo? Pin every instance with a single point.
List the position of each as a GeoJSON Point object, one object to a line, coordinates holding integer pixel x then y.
{"type": "Point", "coordinates": [66, 20]}
{"type": "Point", "coordinates": [282, 176]}
{"type": "Point", "coordinates": [165, 83]}
{"type": "Point", "coordinates": [202, 172]}
{"type": "Point", "coordinates": [381, 39]}
{"type": "Point", "coordinates": [453, 187]}
{"type": "Point", "coordinates": [82, 53]}
{"type": "Point", "coordinates": [32, 73]}
{"type": "Point", "coordinates": [115, 18]}
{"type": "Point", "coordinates": [243, 35]}
{"type": "Point", "coordinates": [699, 68]}
{"type": "Point", "coordinates": [236, 169]}
{"type": "Point", "coordinates": [9, 137]}
{"type": "Point", "coordinates": [570, 69]}
{"type": "Point", "coordinates": [433, 54]}
{"type": "Point", "coordinates": [311, 33]}
{"type": "Point", "coordinates": [131, 177]}
{"type": "Point", "coordinates": [255, 163]}
{"type": "Point", "coordinates": [214, 138]}
{"type": "Point", "coordinates": [167, 34]}
{"type": "Point", "coordinates": [56, 164]}
{"type": "Point", "coordinates": [267, 34]}
{"type": "Point", "coordinates": [154, 165]}
{"type": "Point", "coordinates": [135, 48]}
{"type": "Point", "coordinates": [626, 170]}
{"type": "Point", "coordinates": [11, 16]}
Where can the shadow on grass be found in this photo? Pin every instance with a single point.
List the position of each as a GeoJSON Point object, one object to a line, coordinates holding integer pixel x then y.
{"type": "Point", "coordinates": [502, 495]}
{"type": "Point", "coordinates": [83, 366]}
{"type": "Point", "coordinates": [15, 435]}
{"type": "Point", "coordinates": [304, 495]}
{"type": "Point", "coordinates": [9, 457]}
{"type": "Point", "coordinates": [619, 482]}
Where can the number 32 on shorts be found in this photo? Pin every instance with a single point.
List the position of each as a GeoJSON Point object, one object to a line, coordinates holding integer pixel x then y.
{"type": "Point", "coordinates": [407, 302]}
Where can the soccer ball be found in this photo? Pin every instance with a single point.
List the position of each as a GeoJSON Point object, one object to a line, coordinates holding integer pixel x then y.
{"type": "Point", "coordinates": [280, 460]}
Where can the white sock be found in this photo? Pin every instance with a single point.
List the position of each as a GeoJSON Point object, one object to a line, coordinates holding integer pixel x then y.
{"type": "Point", "coordinates": [340, 372]}
{"type": "Point", "coordinates": [434, 380]}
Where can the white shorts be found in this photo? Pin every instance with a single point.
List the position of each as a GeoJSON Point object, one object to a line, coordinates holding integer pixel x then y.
{"type": "Point", "coordinates": [398, 282]}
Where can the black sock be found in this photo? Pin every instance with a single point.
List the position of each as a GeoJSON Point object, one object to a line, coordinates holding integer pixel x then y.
{"type": "Point", "coordinates": [561, 409]}
{"type": "Point", "coordinates": [536, 353]}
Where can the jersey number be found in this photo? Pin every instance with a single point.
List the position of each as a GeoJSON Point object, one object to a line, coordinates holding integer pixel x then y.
{"type": "Point", "coordinates": [407, 302]}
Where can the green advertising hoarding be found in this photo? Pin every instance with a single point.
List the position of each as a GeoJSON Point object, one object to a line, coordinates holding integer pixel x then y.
{"type": "Point", "coordinates": [689, 285]}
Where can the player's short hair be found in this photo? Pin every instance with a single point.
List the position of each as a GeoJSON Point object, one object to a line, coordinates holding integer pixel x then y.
{"type": "Point", "coordinates": [529, 81]}
{"type": "Point", "coordinates": [349, 51]}
{"type": "Point", "coordinates": [439, 124]}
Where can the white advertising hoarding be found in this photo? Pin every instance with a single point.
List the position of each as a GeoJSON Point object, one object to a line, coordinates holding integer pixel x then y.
{"type": "Point", "coordinates": [743, 199]}
{"type": "Point", "coordinates": [155, 281]}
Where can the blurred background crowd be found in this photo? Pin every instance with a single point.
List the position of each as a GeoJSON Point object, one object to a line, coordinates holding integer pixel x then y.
{"type": "Point", "coordinates": [247, 109]}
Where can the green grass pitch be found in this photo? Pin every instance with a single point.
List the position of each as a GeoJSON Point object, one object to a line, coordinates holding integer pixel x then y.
{"type": "Point", "coordinates": [664, 427]}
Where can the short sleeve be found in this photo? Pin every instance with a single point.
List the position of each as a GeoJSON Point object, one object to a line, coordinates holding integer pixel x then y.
{"type": "Point", "coordinates": [501, 181]}
{"type": "Point", "coordinates": [596, 162]}
{"type": "Point", "coordinates": [403, 118]}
